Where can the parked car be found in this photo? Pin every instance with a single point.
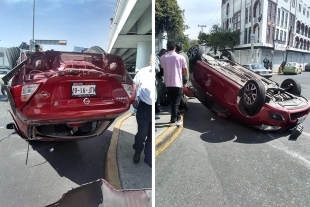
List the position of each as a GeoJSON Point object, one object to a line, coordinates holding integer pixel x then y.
{"type": "Point", "coordinates": [66, 95]}
{"type": "Point", "coordinates": [3, 72]}
{"type": "Point", "coordinates": [307, 67]}
{"type": "Point", "coordinates": [292, 67]}
{"type": "Point", "coordinates": [232, 91]}
{"type": "Point", "coordinates": [259, 69]}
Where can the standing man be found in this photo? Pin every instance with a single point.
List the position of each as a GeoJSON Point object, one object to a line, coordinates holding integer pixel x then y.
{"type": "Point", "coordinates": [179, 50]}
{"type": "Point", "coordinates": [175, 67]}
{"type": "Point", "coordinates": [145, 80]}
{"type": "Point", "coordinates": [266, 62]}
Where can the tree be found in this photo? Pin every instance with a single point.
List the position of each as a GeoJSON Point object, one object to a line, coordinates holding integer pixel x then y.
{"type": "Point", "coordinates": [220, 39]}
{"type": "Point", "coordinates": [170, 18]}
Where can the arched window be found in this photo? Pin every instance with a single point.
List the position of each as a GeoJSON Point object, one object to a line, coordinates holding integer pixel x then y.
{"type": "Point", "coordinates": [227, 9]}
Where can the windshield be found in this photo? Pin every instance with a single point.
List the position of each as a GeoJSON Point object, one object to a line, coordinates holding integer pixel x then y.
{"type": "Point", "coordinates": [258, 67]}
{"type": "Point", "coordinates": [292, 64]}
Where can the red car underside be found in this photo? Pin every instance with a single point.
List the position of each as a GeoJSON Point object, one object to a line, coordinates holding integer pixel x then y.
{"type": "Point", "coordinates": [69, 95]}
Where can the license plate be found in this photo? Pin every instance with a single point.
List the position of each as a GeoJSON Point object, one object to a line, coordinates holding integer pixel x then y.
{"type": "Point", "coordinates": [264, 72]}
{"type": "Point", "coordinates": [83, 90]}
{"type": "Point", "coordinates": [301, 119]}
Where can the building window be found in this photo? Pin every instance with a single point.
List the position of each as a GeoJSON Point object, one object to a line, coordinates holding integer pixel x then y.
{"type": "Point", "coordinates": [304, 12]}
{"type": "Point", "coordinates": [282, 19]}
{"type": "Point", "coordinates": [249, 34]}
{"type": "Point", "coordinates": [277, 34]}
{"type": "Point", "coordinates": [259, 9]}
{"type": "Point", "coordinates": [278, 19]}
{"type": "Point", "coordinates": [284, 38]}
{"type": "Point", "coordinates": [246, 15]}
{"type": "Point", "coordinates": [250, 14]}
{"type": "Point", "coordinates": [237, 20]}
{"type": "Point", "coordinates": [299, 8]}
{"type": "Point", "coordinates": [227, 9]}
{"type": "Point", "coordinates": [293, 3]}
{"type": "Point", "coordinates": [269, 13]}
{"type": "Point", "coordinates": [245, 35]}
{"type": "Point", "coordinates": [272, 35]}
{"type": "Point", "coordinates": [307, 14]}
{"type": "Point", "coordinates": [268, 34]}
{"type": "Point", "coordinates": [274, 13]}
{"type": "Point", "coordinates": [281, 34]}
{"type": "Point", "coordinates": [285, 25]}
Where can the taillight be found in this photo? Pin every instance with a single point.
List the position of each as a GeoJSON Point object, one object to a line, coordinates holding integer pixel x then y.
{"type": "Point", "coordinates": [130, 89]}
{"type": "Point", "coordinates": [22, 93]}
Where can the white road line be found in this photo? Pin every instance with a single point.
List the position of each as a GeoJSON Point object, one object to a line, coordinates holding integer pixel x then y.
{"type": "Point", "coordinates": [279, 145]}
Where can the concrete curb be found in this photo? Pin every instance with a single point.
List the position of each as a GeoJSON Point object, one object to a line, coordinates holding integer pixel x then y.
{"type": "Point", "coordinates": [166, 138]}
{"type": "Point", "coordinates": [111, 166]}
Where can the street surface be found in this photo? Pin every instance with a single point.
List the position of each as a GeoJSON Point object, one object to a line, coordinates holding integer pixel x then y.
{"type": "Point", "coordinates": [53, 167]}
{"type": "Point", "coordinates": [216, 162]}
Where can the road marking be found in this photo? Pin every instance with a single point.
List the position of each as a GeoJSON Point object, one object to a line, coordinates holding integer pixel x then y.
{"type": "Point", "coordinates": [285, 149]}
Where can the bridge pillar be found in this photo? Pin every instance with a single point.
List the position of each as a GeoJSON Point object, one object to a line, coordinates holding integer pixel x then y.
{"type": "Point", "coordinates": [144, 50]}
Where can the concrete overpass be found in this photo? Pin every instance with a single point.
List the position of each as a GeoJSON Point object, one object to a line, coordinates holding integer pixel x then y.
{"type": "Point", "coordinates": [131, 32]}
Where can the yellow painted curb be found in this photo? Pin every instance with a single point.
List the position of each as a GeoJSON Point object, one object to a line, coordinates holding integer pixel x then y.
{"type": "Point", "coordinates": [162, 138]}
{"type": "Point", "coordinates": [111, 166]}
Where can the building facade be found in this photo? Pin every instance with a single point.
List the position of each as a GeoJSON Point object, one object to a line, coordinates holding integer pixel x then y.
{"type": "Point", "coordinates": [3, 59]}
{"type": "Point", "coordinates": [279, 26]}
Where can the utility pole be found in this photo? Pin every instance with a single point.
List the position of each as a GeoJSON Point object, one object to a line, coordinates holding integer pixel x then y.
{"type": "Point", "coordinates": [289, 41]}
{"type": "Point", "coordinates": [32, 44]}
{"type": "Point", "coordinates": [202, 26]}
{"type": "Point", "coordinates": [252, 32]}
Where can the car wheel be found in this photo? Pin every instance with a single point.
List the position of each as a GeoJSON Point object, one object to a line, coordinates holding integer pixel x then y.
{"type": "Point", "coordinates": [195, 53]}
{"type": "Point", "coordinates": [292, 86]}
{"type": "Point", "coordinates": [13, 54]}
{"type": "Point", "coordinates": [96, 49]}
{"type": "Point", "coordinates": [228, 54]}
{"type": "Point", "coordinates": [253, 95]}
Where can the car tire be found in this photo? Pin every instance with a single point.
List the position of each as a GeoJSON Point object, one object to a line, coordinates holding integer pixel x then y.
{"type": "Point", "coordinates": [194, 53]}
{"type": "Point", "coordinates": [12, 54]}
{"type": "Point", "coordinates": [295, 87]}
{"type": "Point", "coordinates": [228, 54]}
{"type": "Point", "coordinates": [96, 49]}
{"type": "Point", "coordinates": [253, 95]}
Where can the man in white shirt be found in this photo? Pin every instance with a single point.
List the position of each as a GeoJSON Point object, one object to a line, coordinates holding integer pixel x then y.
{"type": "Point", "coordinates": [144, 81]}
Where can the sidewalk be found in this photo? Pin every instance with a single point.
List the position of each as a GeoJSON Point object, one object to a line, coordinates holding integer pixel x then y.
{"type": "Point", "coordinates": [121, 172]}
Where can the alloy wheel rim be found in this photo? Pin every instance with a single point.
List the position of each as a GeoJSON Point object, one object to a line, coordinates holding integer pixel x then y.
{"type": "Point", "coordinates": [193, 52]}
{"type": "Point", "coordinates": [250, 94]}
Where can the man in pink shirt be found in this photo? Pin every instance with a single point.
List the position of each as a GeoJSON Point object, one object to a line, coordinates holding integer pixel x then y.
{"type": "Point", "coordinates": [174, 66]}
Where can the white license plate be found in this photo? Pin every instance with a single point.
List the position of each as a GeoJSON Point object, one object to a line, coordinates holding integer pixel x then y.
{"type": "Point", "coordinates": [83, 90]}
{"type": "Point", "coordinates": [264, 72]}
{"type": "Point", "coordinates": [301, 119]}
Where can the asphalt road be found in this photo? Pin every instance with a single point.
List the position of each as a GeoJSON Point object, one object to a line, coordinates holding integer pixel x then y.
{"type": "Point", "coordinates": [216, 162]}
{"type": "Point", "coordinates": [53, 167]}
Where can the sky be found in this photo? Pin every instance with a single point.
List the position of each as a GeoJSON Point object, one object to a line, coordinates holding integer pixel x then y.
{"type": "Point", "coordinates": [200, 12]}
{"type": "Point", "coordinates": [82, 23]}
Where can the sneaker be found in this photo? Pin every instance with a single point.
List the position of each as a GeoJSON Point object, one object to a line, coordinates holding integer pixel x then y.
{"type": "Point", "coordinates": [177, 123]}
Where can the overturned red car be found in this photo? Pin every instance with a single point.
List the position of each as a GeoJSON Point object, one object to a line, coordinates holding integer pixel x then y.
{"type": "Point", "coordinates": [57, 95]}
{"type": "Point", "coordinates": [232, 91]}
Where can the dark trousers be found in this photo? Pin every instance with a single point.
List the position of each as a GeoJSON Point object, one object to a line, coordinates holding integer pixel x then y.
{"type": "Point", "coordinates": [175, 94]}
{"type": "Point", "coordinates": [144, 134]}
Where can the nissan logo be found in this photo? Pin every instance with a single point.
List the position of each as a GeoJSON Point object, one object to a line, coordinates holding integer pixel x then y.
{"type": "Point", "coordinates": [86, 101]}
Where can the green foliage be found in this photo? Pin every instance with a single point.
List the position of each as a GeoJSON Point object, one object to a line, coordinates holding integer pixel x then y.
{"type": "Point", "coordinates": [220, 39]}
{"type": "Point", "coordinates": [168, 17]}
